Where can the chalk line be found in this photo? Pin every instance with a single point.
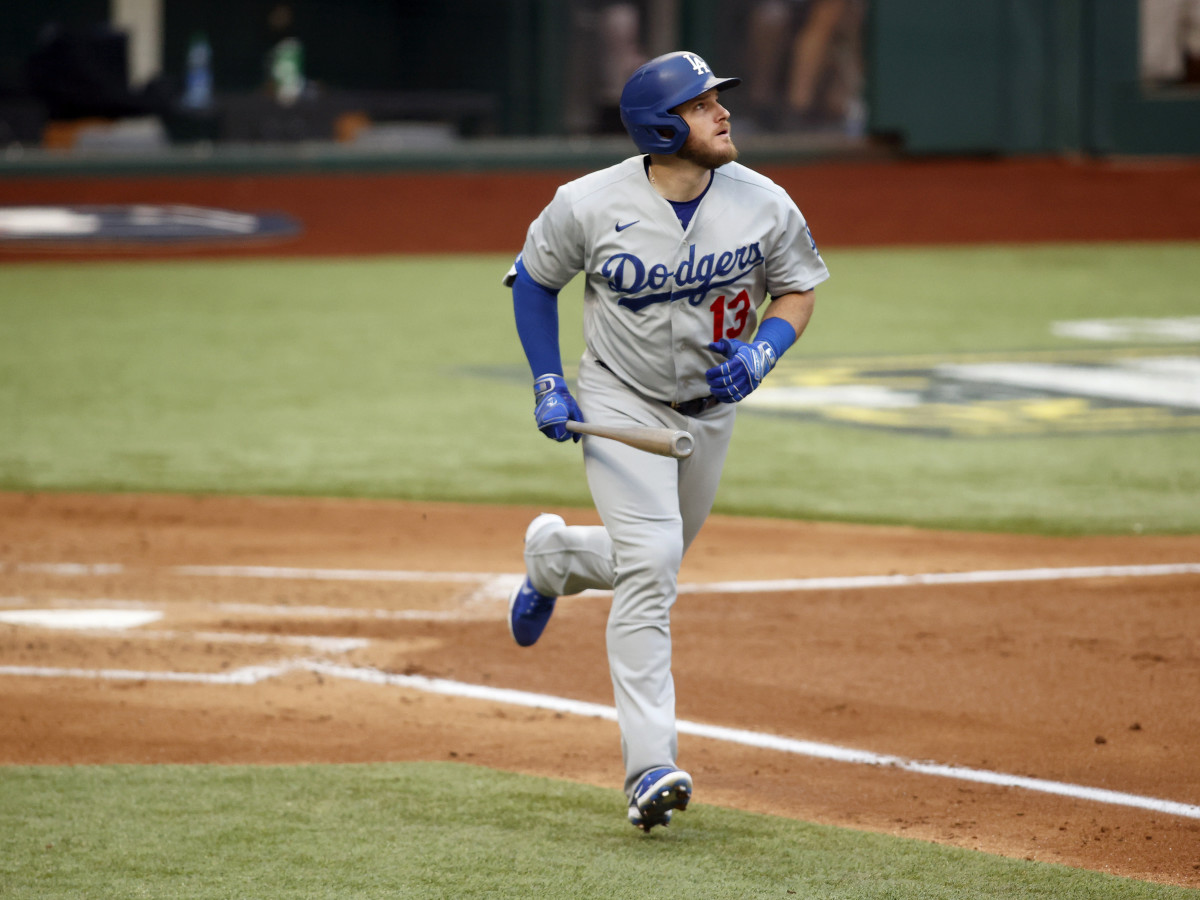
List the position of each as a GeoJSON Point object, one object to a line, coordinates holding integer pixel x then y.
{"type": "Point", "coordinates": [492, 585]}
{"type": "Point", "coordinates": [68, 568]}
{"type": "Point", "coordinates": [852, 582]}
{"type": "Point", "coordinates": [244, 676]}
{"type": "Point", "coordinates": [81, 619]}
{"type": "Point", "coordinates": [814, 749]}
{"type": "Point", "coordinates": [985, 576]}
{"type": "Point", "coordinates": [303, 574]}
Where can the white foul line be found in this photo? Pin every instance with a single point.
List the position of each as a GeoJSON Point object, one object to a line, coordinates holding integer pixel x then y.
{"type": "Point", "coordinates": [986, 576]}
{"type": "Point", "coordinates": [332, 574]}
{"type": "Point", "coordinates": [499, 583]}
{"type": "Point", "coordinates": [852, 582]}
{"type": "Point", "coordinates": [255, 674]}
{"type": "Point", "coordinates": [244, 675]}
{"type": "Point", "coordinates": [69, 568]}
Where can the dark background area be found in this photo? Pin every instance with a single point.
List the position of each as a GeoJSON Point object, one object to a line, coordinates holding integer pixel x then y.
{"type": "Point", "coordinates": [941, 76]}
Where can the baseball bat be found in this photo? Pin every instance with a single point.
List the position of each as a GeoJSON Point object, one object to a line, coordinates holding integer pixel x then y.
{"type": "Point", "coordinates": [663, 441]}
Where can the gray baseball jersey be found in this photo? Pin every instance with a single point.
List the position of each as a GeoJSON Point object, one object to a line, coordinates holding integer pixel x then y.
{"type": "Point", "coordinates": [657, 294]}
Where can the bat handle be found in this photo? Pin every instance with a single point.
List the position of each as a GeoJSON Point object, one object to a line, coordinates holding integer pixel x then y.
{"type": "Point", "coordinates": [662, 441]}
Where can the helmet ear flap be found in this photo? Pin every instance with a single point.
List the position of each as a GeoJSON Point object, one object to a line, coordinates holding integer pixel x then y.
{"type": "Point", "coordinates": [674, 136]}
{"type": "Point", "coordinates": [661, 139]}
{"type": "Point", "coordinates": [666, 134]}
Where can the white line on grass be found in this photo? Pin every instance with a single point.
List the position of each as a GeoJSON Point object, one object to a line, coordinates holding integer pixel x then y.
{"type": "Point", "coordinates": [987, 576]}
{"type": "Point", "coordinates": [254, 674]}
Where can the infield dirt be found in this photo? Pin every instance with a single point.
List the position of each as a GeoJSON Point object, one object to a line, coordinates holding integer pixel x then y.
{"type": "Point", "coordinates": [1089, 682]}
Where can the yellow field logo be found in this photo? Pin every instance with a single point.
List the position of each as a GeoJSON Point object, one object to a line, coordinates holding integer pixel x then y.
{"type": "Point", "coordinates": [994, 394]}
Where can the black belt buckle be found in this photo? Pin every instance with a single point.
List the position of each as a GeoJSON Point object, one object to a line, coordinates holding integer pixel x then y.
{"type": "Point", "coordinates": [692, 408]}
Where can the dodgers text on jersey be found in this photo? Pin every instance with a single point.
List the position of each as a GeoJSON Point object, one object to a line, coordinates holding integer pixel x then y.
{"type": "Point", "coordinates": [691, 280]}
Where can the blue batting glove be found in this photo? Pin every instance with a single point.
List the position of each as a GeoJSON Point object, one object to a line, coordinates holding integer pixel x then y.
{"type": "Point", "coordinates": [744, 369]}
{"type": "Point", "coordinates": [555, 407]}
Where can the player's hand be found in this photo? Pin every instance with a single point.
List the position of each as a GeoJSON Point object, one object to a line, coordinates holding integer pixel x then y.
{"type": "Point", "coordinates": [744, 369]}
{"type": "Point", "coordinates": [555, 407]}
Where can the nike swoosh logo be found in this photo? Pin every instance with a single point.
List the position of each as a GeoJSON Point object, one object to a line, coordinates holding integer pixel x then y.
{"type": "Point", "coordinates": [621, 227]}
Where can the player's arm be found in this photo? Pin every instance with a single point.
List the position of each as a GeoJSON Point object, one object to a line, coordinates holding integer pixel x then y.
{"type": "Point", "coordinates": [795, 309]}
{"type": "Point", "coordinates": [535, 308]}
{"type": "Point", "coordinates": [746, 365]}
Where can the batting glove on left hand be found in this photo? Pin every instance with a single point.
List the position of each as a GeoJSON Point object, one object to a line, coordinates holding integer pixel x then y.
{"type": "Point", "coordinates": [555, 407]}
{"type": "Point", "coordinates": [745, 367]}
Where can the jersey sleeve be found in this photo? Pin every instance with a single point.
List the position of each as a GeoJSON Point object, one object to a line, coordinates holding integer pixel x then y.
{"type": "Point", "coordinates": [554, 246]}
{"type": "Point", "coordinates": [796, 264]}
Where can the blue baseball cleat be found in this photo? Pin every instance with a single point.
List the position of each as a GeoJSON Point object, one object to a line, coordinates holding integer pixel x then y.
{"type": "Point", "coordinates": [528, 610]}
{"type": "Point", "coordinates": [660, 792]}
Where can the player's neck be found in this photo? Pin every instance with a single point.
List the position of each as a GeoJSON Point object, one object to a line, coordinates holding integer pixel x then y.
{"type": "Point", "coordinates": [677, 179]}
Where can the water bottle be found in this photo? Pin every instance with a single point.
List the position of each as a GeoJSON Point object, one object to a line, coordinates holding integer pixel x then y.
{"type": "Point", "coordinates": [198, 87]}
{"type": "Point", "coordinates": [287, 70]}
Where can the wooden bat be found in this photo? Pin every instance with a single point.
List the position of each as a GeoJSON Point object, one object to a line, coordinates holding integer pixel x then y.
{"type": "Point", "coordinates": [663, 441]}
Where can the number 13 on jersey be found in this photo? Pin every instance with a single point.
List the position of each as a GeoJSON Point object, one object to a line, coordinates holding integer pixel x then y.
{"type": "Point", "coordinates": [734, 314]}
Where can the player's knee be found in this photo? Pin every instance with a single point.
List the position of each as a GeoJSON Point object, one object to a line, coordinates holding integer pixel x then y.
{"type": "Point", "coordinates": [654, 553]}
{"type": "Point", "coordinates": [647, 574]}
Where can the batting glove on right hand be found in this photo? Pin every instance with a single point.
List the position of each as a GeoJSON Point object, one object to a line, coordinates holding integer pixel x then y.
{"type": "Point", "coordinates": [744, 369]}
{"type": "Point", "coordinates": [555, 407]}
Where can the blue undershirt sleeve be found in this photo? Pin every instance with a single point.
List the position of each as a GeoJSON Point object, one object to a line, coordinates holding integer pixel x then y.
{"type": "Point", "coordinates": [536, 309]}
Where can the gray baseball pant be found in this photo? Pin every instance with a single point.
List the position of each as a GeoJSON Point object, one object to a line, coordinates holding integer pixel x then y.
{"type": "Point", "coordinates": [652, 508]}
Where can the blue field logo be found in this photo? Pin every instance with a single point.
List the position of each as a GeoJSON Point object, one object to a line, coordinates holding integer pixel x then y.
{"type": "Point", "coordinates": [136, 224]}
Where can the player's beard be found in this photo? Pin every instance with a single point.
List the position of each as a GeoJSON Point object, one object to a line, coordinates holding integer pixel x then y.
{"type": "Point", "coordinates": [704, 155]}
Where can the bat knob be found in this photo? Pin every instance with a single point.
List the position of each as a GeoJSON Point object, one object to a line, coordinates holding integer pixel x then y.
{"type": "Point", "coordinates": [682, 444]}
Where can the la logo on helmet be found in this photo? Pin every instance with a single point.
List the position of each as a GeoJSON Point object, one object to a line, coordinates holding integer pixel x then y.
{"type": "Point", "coordinates": [698, 64]}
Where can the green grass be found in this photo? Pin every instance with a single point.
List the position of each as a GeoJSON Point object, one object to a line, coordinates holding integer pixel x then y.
{"type": "Point", "coordinates": [993, 298]}
{"type": "Point", "coordinates": [403, 377]}
{"type": "Point", "coordinates": [439, 830]}
{"type": "Point", "coordinates": [1103, 484]}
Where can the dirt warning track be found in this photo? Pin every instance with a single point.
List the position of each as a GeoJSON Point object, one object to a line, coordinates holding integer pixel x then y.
{"type": "Point", "coordinates": [880, 203]}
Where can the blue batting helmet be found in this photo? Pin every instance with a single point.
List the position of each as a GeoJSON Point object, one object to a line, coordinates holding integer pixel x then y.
{"type": "Point", "coordinates": [655, 89]}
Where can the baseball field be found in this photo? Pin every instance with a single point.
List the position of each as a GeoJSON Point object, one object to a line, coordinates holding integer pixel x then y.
{"type": "Point", "coordinates": [261, 505]}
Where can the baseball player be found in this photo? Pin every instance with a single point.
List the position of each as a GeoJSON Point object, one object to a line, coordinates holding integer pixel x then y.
{"type": "Point", "coordinates": [680, 246]}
